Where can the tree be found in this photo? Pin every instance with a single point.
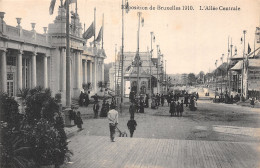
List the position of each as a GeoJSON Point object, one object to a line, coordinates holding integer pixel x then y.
{"type": "Point", "coordinates": [201, 74]}
{"type": "Point", "coordinates": [191, 78]}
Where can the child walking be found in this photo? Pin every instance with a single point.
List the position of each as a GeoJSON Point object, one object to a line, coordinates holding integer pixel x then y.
{"type": "Point", "coordinates": [131, 124]}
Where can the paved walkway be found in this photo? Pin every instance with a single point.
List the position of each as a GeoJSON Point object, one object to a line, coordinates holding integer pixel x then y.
{"type": "Point", "coordinates": [98, 152]}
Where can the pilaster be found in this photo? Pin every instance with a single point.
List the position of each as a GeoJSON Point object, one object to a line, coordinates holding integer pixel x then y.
{"type": "Point", "coordinates": [19, 70]}
{"type": "Point", "coordinates": [3, 71]}
{"type": "Point", "coordinates": [33, 58]}
{"type": "Point", "coordinates": [45, 72]}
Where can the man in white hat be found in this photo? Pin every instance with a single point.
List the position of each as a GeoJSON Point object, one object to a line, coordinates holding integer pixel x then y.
{"type": "Point", "coordinates": [113, 121]}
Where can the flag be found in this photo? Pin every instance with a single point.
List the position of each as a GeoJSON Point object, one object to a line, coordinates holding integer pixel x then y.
{"type": "Point", "coordinates": [70, 2]}
{"type": "Point", "coordinates": [89, 32]}
{"type": "Point", "coordinates": [100, 34]}
{"type": "Point", "coordinates": [142, 21]}
{"type": "Point", "coordinates": [153, 38]}
{"type": "Point", "coordinates": [51, 8]}
{"type": "Point", "coordinates": [249, 49]}
{"type": "Point", "coordinates": [241, 40]}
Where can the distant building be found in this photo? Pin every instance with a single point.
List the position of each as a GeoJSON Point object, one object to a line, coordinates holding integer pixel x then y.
{"type": "Point", "coordinates": [30, 59]}
{"type": "Point", "coordinates": [150, 71]}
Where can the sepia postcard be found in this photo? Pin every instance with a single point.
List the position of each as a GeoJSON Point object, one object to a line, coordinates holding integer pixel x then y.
{"type": "Point", "coordinates": [130, 83]}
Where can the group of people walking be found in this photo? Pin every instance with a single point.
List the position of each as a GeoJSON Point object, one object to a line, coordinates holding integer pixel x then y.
{"type": "Point", "coordinates": [104, 108]}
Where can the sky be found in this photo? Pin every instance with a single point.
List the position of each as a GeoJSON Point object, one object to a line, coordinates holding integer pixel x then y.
{"type": "Point", "coordinates": [190, 40]}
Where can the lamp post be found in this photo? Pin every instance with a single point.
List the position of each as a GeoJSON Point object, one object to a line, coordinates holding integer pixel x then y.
{"type": "Point", "coordinates": [115, 68]}
{"type": "Point", "coordinates": [157, 67]}
{"type": "Point", "coordinates": [68, 70]}
{"type": "Point", "coordinates": [243, 69]}
{"type": "Point", "coordinates": [122, 57]}
{"type": "Point", "coordinates": [221, 93]}
{"type": "Point", "coordinates": [230, 74]}
{"type": "Point", "coordinates": [152, 36]}
{"type": "Point", "coordinates": [165, 77]}
{"type": "Point", "coordinates": [137, 55]}
{"type": "Point", "coordinates": [216, 64]}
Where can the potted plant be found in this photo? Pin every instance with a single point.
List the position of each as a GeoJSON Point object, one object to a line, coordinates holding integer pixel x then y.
{"type": "Point", "coordinates": [100, 85]}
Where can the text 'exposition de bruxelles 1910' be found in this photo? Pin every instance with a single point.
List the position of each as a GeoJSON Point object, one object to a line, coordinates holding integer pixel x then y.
{"type": "Point", "coordinates": [184, 7]}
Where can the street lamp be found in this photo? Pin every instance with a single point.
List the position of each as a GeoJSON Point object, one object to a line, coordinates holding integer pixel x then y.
{"type": "Point", "coordinates": [216, 64]}
{"type": "Point", "coordinates": [221, 93]}
{"type": "Point", "coordinates": [242, 87]}
{"type": "Point", "coordinates": [152, 40]}
{"type": "Point", "coordinates": [126, 8]}
{"type": "Point", "coordinates": [115, 67]}
{"type": "Point", "coordinates": [137, 55]}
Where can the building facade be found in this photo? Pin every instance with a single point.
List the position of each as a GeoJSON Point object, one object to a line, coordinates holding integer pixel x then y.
{"type": "Point", "coordinates": [150, 73]}
{"type": "Point", "coordinates": [30, 59]}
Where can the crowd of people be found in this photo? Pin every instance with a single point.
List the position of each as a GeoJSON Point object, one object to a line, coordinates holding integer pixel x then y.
{"type": "Point", "coordinates": [138, 104]}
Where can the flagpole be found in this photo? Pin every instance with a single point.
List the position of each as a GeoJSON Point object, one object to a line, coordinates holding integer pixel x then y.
{"type": "Point", "coordinates": [165, 77]}
{"type": "Point", "coordinates": [76, 9]}
{"type": "Point", "coordinates": [254, 41]}
{"type": "Point", "coordinates": [150, 63]}
{"type": "Point", "coordinates": [138, 57]}
{"type": "Point", "coordinates": [227, 81]}
{"type": "Point", "coordinates": [68, 91]}
{"type": "Point", "coordinates": [102, 31]}
{"type": "Point", "coordinates": [243, 67]}
{"type": "Point", "coordinates": [230, 74]}
{"type": "Point", "coordinates": [216, 64]}
{"type": "Point", "coordinates": [221, 93]}
{"type": "Point", "coordinates": [122, 59]}
{"type": "Point", "coordinates": [94, 27]}
{"type": "Point", "coordinates": [115, 69]}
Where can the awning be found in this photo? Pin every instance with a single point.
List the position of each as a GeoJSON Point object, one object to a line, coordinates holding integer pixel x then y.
{"type": "Point", "coordinates": [238, 66]}
{"type": "Point", "coordinates": [254, 63]}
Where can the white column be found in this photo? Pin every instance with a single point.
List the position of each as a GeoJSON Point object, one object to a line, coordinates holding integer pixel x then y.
{"type": "Point", "coordinates": [84, 69]}
{"type": "Point", "coordinates": [45, 72]}
{"type": "Point", "coordinates": [94, 79]}
{"type": "Point", "coordinates": [3, 72]}
{"type": "Point", "coordinates": [77, 70]}
{"type": "Point", "coordinates": [34, 70]}
{"type": "Point", "coordinates": [80, 71]}
{"type": "Point", "coordinates": [19, 71]}
{"type": "Point", "coordinates": [102, 71]}
{"type": "Point", "coordinates": [62, 71]}
{"type": "Point", "coordinates": [90, 73]}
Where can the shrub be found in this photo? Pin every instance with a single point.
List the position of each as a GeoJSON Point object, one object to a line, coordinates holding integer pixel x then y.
{"type": "Point", "coordinates": [9, 111]}
{"type": "Point", "coordinates": [40, 104]}
{"type": "Point", "coordinates": [36, 138]}
{"type": "Point", "coordinates": [15, 149]}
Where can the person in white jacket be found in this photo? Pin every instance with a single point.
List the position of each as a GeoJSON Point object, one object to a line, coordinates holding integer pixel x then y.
{"type": "Point", "coordinates": [113, 121]}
